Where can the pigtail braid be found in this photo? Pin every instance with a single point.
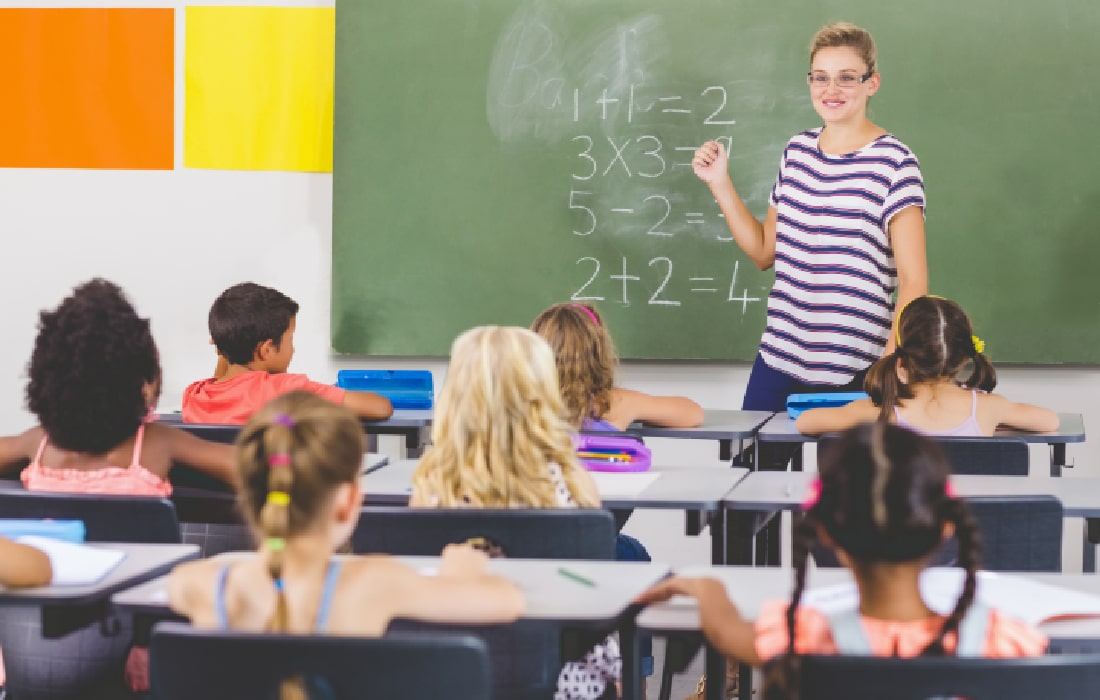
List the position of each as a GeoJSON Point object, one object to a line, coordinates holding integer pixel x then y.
{"type": "Point", "coordinates": [883, 386]}
{"type": "Point", "coordinates": [970, 552]}
{"type": "Point", "coordinates": [983, 377]}
{"type": "Point", "coordinates": [274, 518]}
{"type": "Point", "coordinates": [782, 680]}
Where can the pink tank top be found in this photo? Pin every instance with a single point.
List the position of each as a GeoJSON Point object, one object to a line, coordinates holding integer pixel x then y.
{"type": "Point", "coordinates": [968, 428]}
{"type": "Point", "coordinates": [134, 480]}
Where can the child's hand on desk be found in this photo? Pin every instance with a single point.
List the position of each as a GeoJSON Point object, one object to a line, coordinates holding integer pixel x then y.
{"type": "Point", "coordinates": [462, 561]}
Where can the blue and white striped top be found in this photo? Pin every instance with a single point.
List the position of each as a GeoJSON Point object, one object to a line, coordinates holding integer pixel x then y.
{"type": "Point", "coordinates": [831, 307]}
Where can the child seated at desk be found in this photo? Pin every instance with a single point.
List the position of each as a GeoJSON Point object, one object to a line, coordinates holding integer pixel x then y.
{"type": "Point", "coordinates": [299, 460]}
{"type": "Point", "coordinates": [500, 439]}
{"type": "Point", "coordinates": [917, 385]}
{"type": "Point", "coordinates": [252, 328]}
{"type": "Point", "coordinates": [94, 379]}
{"type": "Point", "coordinates": [883, 505]}
{"type": "Point", "coordinates": [586, 362]}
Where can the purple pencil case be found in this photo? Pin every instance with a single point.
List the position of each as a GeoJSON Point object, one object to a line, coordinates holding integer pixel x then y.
{"type": "Point", "coordinates": [612, 453]}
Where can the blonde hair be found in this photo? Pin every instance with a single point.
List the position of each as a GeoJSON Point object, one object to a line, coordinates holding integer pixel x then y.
{"type": "Point", "coordinates": [292, 455]}
{"type": "Point", "coordinates": [585, 357]}
{"type": "Point", "coordinates": [847, 35]}
{"type": "Point", "coordinates": [499, 424]}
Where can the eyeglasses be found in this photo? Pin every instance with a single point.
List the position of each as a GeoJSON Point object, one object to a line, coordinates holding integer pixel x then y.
{"type": "Point", "coordinates": [847, 79]}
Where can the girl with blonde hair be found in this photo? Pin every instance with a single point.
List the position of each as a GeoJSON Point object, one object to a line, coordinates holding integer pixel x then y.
{"type": "Point", "coordinates": [500, 440]}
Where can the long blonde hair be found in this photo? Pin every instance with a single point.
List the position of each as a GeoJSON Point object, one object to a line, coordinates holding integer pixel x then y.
{"type": "Point", "coordinates": [585, 357]}
{"type": "Point", "coordinates": [499, 423]}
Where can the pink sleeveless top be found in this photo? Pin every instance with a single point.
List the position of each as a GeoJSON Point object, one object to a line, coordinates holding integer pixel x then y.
{"type": "Point", "coordinates": [968, 428]}
{"type": "Point", "coordinates": [134, 480]}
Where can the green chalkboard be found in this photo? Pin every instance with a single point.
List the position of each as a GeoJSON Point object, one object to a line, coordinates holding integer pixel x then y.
{"type": "Point", "coordinates": [496, 156]}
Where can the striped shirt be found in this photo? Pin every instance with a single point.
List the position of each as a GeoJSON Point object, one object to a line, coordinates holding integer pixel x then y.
{"type": "Point", "coordinates": [831, 307]}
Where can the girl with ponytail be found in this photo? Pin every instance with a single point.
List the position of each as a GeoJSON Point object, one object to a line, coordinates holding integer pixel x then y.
{"type": "Point", "coordinates": [299, 460]}
{"type": "Point", "coordinates": [920, 386]}
{"type": "Point", "coordinates": [883, 504]}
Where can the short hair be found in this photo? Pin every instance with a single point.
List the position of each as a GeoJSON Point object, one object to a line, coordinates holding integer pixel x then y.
{"type": "Point", "coordinates": [247, 314]}
{"type": "Point", "coordinates": [91, 359]}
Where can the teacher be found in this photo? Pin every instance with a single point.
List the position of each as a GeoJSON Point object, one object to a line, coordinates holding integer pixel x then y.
{"type": "Point", "coordinates": [844, 230]}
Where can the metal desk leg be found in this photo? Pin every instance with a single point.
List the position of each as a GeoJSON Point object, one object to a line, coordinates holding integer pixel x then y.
{"type": "Point", "coordinates": [718, 534]}
{"type": "Point", "coordinates": [632, 669]}
{"type": "Point", "coordinates": [715, 670]}
{"type": "Point", "coordinates": [1057, 458]}
{"type": "Point", "coordinates": [1091, 537]}
{"type": "Point", "coordinates": [740, 525]}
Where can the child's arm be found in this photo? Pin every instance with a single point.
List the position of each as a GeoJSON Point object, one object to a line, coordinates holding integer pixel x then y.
{"type": "Point", "coordinates": [818, 421]}
{"type": "Point", "coordinates": [212, 458]}
{"type": "Point", "coordinates": [17, 451]}
{"type": "Point", "coordinates": [1022, 416]}
{"type": "Point", "coordinates": [21, 565]}
{"type": "Point", "coordinates": [722, 624]}
{"type": "Point", "coordinates": [628, 406]}
{"type": "Point", "coordinates": [368, 405]}
{"type": "Point", "coordinates": [462, 591]}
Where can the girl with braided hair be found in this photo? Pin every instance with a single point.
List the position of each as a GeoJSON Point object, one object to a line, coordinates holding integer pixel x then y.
{"type": "Point", "coordinates": [884, 505]}
{"type": "Point", "coordinates": [918, 385]}
{"type": "Point", "coordinates": [299, 460]}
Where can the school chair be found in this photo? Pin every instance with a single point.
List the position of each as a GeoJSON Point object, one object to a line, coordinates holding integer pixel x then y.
{"type": "Point", "coordinates": [1019, 533]}
{"type": "Point", "coordinates": [188, 663]}
{"type": "Point", "coordinates": [873, 678]}
{"type": "Point", "coordinates": [990, 456]}
{"type": "Point", "coordinates": [996, 456]}
{"type": "Point", "coordinates": [556, 533]}
{"type": "Point", "coordinates": [140, 519]}
{"type": "Point", "coordinates": [527, 654]}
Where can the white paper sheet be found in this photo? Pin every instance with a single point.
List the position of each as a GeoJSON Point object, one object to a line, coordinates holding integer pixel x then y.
{"type": "Point", "coordinates": [1028, 600]}
{"type": "Point", "coordinates": [75, 564]}
{"type": "Point", "coordinates": [623, 483]}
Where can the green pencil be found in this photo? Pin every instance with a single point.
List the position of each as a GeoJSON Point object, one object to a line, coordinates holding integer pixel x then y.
{"type": "Point", "coordinates": [576, 577]}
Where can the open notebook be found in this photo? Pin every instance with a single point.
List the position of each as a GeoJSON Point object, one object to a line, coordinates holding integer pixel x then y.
{"type": "Point", "coordinates": [75, 564]}
{"type": "Point", "coordinates": [1023, 598]}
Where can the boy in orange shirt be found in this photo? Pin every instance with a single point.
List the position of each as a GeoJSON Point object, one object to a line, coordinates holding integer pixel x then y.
{"type": "Point", "coordinates": [252, 327]}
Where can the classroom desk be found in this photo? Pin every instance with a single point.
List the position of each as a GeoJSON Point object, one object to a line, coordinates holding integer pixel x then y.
{"type": "Point", "coordinates": [762, 493]}
{"type": "Point", "coordinates": [68, 608]}
{"type": "Point", "coordinates": [695, 490]}
{"type": "Point", "coordinates": [723, 426]}
{"type": "Point", "coordinates": [550, 596]}
{"type": "Point", "coordinates": [414, 425]}
{"type": "Point", "coordinates": [750, 587]}
{"type": "Point", "coordinates": [1071, 428]}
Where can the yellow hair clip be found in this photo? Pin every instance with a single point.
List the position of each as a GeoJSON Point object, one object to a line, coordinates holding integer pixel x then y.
{"type": "Point", "coordinates": [979, 344]}
{"type": "Point", "coordinates": [279, 498]}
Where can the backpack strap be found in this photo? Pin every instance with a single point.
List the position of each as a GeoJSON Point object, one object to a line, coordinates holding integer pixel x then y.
{"type": "Point", "coordinates": [848, 635]}
{"type": "Point", "coordinates": [972, 631]}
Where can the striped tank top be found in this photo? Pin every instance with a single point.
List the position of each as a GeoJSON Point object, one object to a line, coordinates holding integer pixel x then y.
{"type": "Point", "coordinates": [831, 307]}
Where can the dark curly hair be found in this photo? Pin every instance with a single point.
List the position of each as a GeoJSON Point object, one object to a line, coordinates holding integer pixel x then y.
{"type": "Point", "coordinates": [92, 357]}
{"type": "Point", "coordinates": [247, 314]}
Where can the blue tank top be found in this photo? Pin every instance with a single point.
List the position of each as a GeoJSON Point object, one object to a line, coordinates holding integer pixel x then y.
{"type": "Point", "coordinates": [331, 576]}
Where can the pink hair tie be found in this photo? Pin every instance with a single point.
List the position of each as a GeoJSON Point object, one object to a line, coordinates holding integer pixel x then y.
{"type": "Point", "coordinates": [814, 496]}
{"type": "Point", "coordinates": [280, 459]}
{"type": "Point", "coordinates": [949, 490]}
{"type": "Point", "coordinates": [591, 314]}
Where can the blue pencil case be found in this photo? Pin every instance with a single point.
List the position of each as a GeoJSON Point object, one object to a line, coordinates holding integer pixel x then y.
{"type": "Point", "coordinates": [612, 453]}
{"type": "Point", "coordinates": [797, 403]}
{"type": "Point", "coordinates": [68, 530]}
{"type": "Point", "coordinates": [405, 388]}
